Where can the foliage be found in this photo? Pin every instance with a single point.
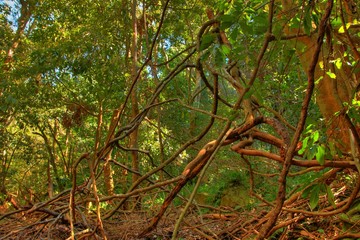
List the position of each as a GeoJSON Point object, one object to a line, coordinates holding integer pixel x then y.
{"type": "Point", "coordinates": [101, 101]}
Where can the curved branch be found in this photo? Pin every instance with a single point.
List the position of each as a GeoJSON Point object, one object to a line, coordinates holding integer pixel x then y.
{"type": "Point", "coordinates": [172, 158]}
{"type": "Point", "coordinates": [300, 163]}
{"type": "Point", "coordinates": [264, 231]}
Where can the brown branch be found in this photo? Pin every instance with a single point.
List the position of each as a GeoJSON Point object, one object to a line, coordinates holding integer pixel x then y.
{"type": "Point", "coordinates": [264, 231]}
{"type": "Point", "coordinates": [8, 214]}
{"type": "Point", "coordinates": [125, 131]}
{"type": "Point", "coordinates": [190, 171]}
{"type": "Point", "coordinates": [149, 57]}
{"type": "Point", "coordinates": [139, 190]}
{"type": "Point", "coordinates": [51, 200]}
{"type": "Point", "coordinates": [72, 193]}
{"type": "Point", "coordinates": [348, 236]}
{"type": "Point", "coordinates": [268, 138]}
{"type": "Point", "coordinates": [200, 70]}
{"type": "Point", "coordinates": [286, 223]}
{"type": "Point", "coordinates": [202, 111]}
{"type": "Point", "coordinates": [176, 154]}
{"type": "Point", "coordinates": [340, 207]}
{"type": "Point", "coordinates": [174, 57]}
{"type": "Point", "coordinates": [300, 163]}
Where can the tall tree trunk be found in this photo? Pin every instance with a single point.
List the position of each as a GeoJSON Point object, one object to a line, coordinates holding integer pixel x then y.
{"type": "Point", "coordinates": [67, 152]}
{"type": "Point", "coordinates": [134, 97]}
{"type": "Point", "coordinates": [108, 176]}
{"type": "Point", "coordinates": [50, 185]}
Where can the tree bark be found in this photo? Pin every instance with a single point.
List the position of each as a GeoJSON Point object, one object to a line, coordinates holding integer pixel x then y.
{"type": "Point", "coordinates": [134, 96]}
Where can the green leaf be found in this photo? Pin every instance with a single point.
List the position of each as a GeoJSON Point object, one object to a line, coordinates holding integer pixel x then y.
{"type": "Point", "coordinates": [206, 41]}
{"type": "Point", "coordinates": [294, 23]}
{"type": "Point", "coordinates": [308, 128]}
{"type": "Point", "coordinates": [225, 49]}
{"type": "Point", "coordinates": [306, 192]}
{"type": "Point", "coordinates": [234, 32]}
{"type": "Point", "coordinates": [260, 24]}
{"type": "Point", "coordinates": [259, 97]}
{"type": "Point", "coordinates": [316, 136]}
{"type": "Point", "coordinates": [314, 197]}
{"type": "Point", "coordinates": [307, 20]}
{"type": "Point", "coordinates": [320, 154]}
{"type": "Point", "coordinates": [226, 21]}
{"type": "Point", "coordinates": [312, 152]}
{"type": "Point", "coordinates": [205, 55]}
{"type": "Point", "coordinates": [319, 79]}
{"type": "Point", "coordinates": [246, 29]}
{"type": "Point", "coordinates": [249, 93]}
{"type": "Point", "coordinates": [304, 145]}
{"type": "Point", "coordinates": [341, 29]}
{"type": "Point", "coordinates": [336, 22]}
{"type": "Point", "coordinates": [331, 75]}
{"type": "Point", "coordinates": [338, 63]}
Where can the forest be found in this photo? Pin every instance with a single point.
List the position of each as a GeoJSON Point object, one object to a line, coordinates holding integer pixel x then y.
{"type": "Point", "coordinates": [159, 119]}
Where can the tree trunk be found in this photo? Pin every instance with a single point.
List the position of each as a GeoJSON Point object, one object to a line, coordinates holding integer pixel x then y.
{"type": "Point", "coordinates": [134, 98]}
{"type": "Point", "coordinates": [50, 184]}
{"type": "Point", "coordinates": [67, 154]}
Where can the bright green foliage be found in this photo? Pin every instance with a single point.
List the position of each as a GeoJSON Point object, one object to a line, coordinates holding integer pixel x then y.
{"type": "Point", "coordinates": [314, 145]}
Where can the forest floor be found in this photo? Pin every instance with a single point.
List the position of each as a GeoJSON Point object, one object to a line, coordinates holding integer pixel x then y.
{"type": "Point", "coordinates": [129, 226]}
